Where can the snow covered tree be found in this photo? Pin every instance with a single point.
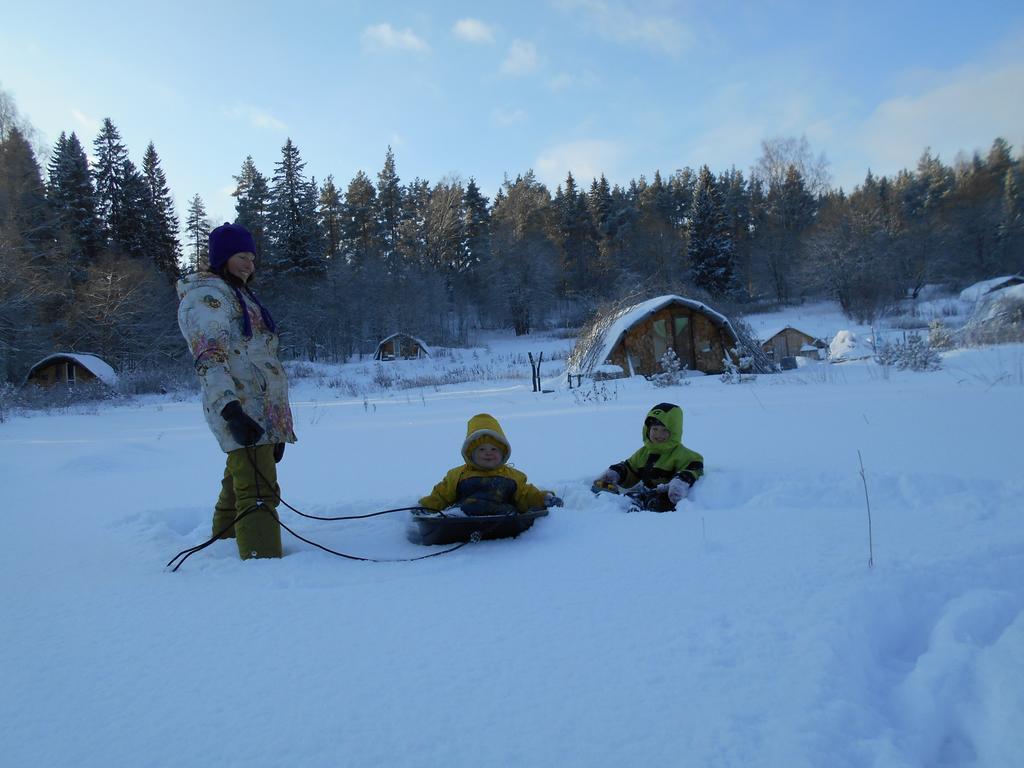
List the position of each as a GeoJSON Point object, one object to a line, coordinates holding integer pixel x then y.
{"type": "Point", "coordinates": [197, 228]}
{"type": "Point", "coordinates": [110, 166]}
{"type": "Point", "coordinates": [780, 154]}
{"type": "Point", "coordinates": [162, 226]}
{"type": "Point", "coordinates": [293, 232]}
{"type": "Point", "coordinates": [69, 190]}
{"type": "Point", "coordinates": [523, 268]}
{"type": "Point", "coordinates": [389, 211]}
{"type": "Point", "coordinates": [330, 212]}
{"type": "Point", "coordinates": [360, 231]}
{"type": "Point", "coordinates": [577, 238]}
{"type": "Point", "coordinates": [710, 249]}
{"type": "Point", "coordinates": [475, 250]}
{"type": "Point", "coordinates": [672, 370]}
{"type": "Point", "coordinates": [1011, 225]}
{"type": "Point", "coordinates": [789, 211]}
{"type": "Point", "coordinates": [30, 286]}
{"type": "Point", "coordinates": [252, 201]}
{"type": "Point", "coordinates": [735, 198]}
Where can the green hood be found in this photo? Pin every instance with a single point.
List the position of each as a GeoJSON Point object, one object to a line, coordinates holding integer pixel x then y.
{"type": "Point", "coordinates": [669, 416]}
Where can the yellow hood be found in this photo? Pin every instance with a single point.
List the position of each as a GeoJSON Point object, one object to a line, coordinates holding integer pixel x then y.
{"type": "Point", "coordinates": [480, 426]}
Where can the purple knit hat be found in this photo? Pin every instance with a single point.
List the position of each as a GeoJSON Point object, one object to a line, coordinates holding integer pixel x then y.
{"type": "Point", "coordinates": [227, 240]}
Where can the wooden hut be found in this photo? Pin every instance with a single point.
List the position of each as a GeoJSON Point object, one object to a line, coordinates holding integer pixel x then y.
{"type": "Point", "coordinates": [792, 342]}
{"type": "Point", "coordinates": [401, 346]}
{"type": "Point", "coordinates": [634, 338]}
{"type": "Point", "coordinates": [70, 368]}
{"type": "Point", "coordinates": [975, 292]}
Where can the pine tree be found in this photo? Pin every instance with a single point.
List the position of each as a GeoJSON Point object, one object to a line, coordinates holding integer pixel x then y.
{"type": "Point", "coordinates": [735, 197]}
{"type": "Point", "coordinates": [389, 210]}
{"type": "Point", "coordinates": [475, 252]}
{"type": "Point", "coordinates": [1011, 226]}
{"type": "Point", "coordinates": [681, 187]}
{"type": "Point", "coordinates": [577, 237]}
{"type": "Point", "coordinates": [361, 239]}
{"type": "Point", "coordinates": [29, 283]}
{"type": "Point", "coordinates": [69, 190]}
{"type": "Point", "coordinates": [476, 239]}
{"type": "Point", "coordinates": [710, 249]}
{"type": "Point", "coordinates": [789, 211]}
{"type": "Point", "coordinates": [653, 244]}
{"type": "Point", "coordinates": [923, 198]}
{"type": "Point", "coordinates": [330, 212]}
{"type": "Point", "coordinates": [252, 201]}
{"type": "Point", "coordinates": [293, 232]}
{"type": "Point", "coordinates": [109, 166]}
{"type": "Point", "coordinates": [197, 228]}
{"type": "Point", "coordinates": [525, 257]}
{"type": "Point", "coordinates": [162, 229]}
{"type": "Point", "coordinates": [139, 214]}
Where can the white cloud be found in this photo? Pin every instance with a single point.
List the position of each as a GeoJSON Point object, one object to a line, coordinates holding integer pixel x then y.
{"type": "Point", "coordinates": [587, 159]}
{"type": "Point", "coordinates": [508, 115]}
{"type": "Point", "coordinates": [565, 81]}
{"type": "Point", "coordinates": [91, 124]}
{"type": "Point", "coordinates": [521, 59]}
{"type": "Point", "coordinates": [256, 117]}
{"type": "Point", "coordinates": [966, 111]}
{"type": "Point", "coordinates": [384, 36]}
{"type": "Point", "coordinates": [616, 22]}
{"type": "Point", "coordinates": [473, 31]}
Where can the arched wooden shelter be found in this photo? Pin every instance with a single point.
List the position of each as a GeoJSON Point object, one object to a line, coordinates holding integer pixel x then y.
{"type": "Point", "coordinates": [634, 338]}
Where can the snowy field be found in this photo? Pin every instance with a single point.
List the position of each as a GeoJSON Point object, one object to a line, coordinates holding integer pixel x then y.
{"type": "Point", "coordinates": [744, 629]}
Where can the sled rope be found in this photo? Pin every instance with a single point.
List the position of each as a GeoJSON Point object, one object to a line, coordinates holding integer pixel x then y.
{"type": "Point", "coordinates": [185, 554]}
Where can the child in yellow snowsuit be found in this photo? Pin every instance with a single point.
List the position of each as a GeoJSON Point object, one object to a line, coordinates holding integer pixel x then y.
{"type": "Point", "coordinates": [485, 484]}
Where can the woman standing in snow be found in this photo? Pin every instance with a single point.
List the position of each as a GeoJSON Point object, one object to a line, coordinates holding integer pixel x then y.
{"type": "Point", "coordinates": [233, 340]}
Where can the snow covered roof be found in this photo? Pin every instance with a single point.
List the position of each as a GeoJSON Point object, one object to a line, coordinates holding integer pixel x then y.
{"type": "Point", "coordinates": [773, 332]}
{"type": "Point", "coordinates": [976, 291]}
{"type": "Point", "coordinates": [594, 349]}
{"type": "Point", "coordinates": [993, 305]}
{"type": "Point", "coordinates": [95, 365]}
{"type": "Point", "coordinates": [419, 342]}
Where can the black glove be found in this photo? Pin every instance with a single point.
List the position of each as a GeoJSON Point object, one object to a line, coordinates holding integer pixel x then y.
{"type": "Point", "coordinates": [243, 429]}
{"type": "Point", "coordinates": [278, 452]}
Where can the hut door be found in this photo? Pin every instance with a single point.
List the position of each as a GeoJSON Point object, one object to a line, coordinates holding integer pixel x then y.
{"type": "Point", "coordinates": [683, 340]}
{"type": "Point", "coordinates": [660, 340]}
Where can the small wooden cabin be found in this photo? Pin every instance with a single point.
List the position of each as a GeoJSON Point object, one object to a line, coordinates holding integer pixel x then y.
{"type": "Point", "coordinates": [401, 346]}
{"type": "Point", "coordinates": [636, 337]}
{"type": "Point", "coordinates": [974, 293]}
{"type": "Point", "coordinates": [792, 342]}
{"type": "Point", "coordinates": [70, 368]}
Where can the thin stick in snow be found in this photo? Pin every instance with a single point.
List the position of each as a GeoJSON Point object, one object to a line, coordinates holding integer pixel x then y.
{"type": "Point", "coordinates": [867, 501]}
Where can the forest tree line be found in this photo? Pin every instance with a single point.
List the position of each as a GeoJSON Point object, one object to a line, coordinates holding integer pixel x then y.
{"type": "Point", "coordinates": [90, 250]}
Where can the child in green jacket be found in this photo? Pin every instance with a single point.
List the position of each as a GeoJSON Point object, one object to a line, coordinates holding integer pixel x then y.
{"type": "Point", "coordinates": [663, 464]}
{"type": "Point", "coordinates": [485, 485]}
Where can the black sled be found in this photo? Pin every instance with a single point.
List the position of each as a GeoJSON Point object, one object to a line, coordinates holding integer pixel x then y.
{"type": "Point", "coordinates": [430, 527]}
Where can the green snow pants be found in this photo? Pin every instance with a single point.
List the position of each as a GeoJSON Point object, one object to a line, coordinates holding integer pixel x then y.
{"type": "Point", "coordinates": [257, 534]}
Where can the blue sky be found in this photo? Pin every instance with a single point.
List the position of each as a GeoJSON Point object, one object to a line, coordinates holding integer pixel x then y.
{"type": "Point", "coordinates": [479, 89]}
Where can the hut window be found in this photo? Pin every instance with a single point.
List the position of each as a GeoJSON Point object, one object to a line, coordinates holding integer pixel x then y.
{"type": "Point", "coordinates": [681, 323]}
{"type": "Point", "coordinates": [660, 337]}
{"type": "Point", "coordinates": [71, 373]}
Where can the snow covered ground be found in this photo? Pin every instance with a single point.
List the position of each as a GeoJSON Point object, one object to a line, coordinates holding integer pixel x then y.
{"type": "Point", "coordinates": [745, 629]}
